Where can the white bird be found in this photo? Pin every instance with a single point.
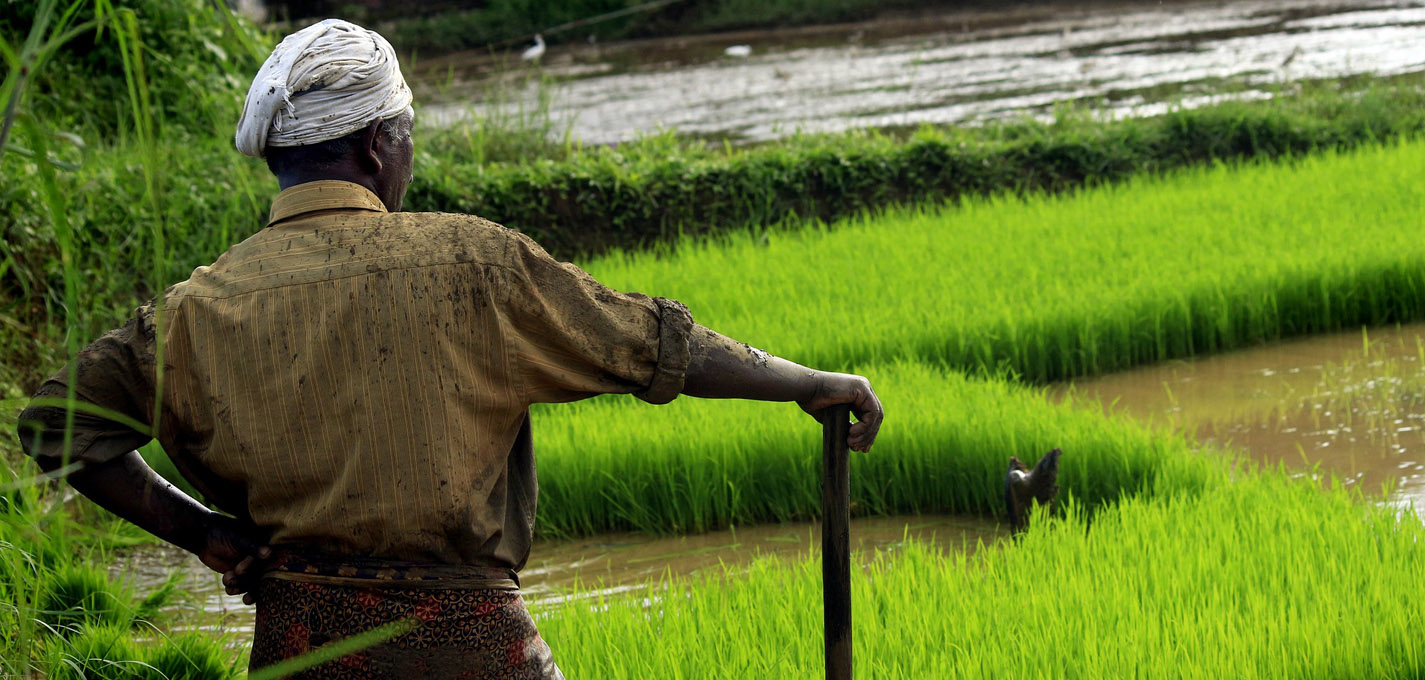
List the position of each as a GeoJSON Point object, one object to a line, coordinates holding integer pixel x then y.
{"type": "Point", "coordinates": [738, 51]}
{"type": "Point", "coordinates": [535, 52]}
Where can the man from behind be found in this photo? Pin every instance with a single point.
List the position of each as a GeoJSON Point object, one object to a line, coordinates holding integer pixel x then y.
{"type": "Point", "coordinates": [351, 387]}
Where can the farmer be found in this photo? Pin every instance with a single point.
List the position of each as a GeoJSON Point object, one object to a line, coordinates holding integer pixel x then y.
{"type": "Point", "coordinates": [350, 386]}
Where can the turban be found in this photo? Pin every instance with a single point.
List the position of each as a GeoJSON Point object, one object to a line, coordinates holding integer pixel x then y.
{"type": "Point", "coordinates": [325, 81]}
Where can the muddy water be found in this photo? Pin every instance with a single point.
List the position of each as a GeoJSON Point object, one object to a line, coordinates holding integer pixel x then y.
{"type": "Point", "coordinates": [559, 571]}
{"type": "Point", "coordinates": [1352, 404]}
{"type": "Point", "coordinates": [951, 67]}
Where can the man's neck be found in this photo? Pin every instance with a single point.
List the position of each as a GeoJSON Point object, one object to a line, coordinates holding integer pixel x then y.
{"type": "Point", "coordinates": [289, 180]}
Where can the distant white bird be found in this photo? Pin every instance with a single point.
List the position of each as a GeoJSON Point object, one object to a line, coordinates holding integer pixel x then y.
{"type": "Point", "coordinates": [738, 51]}
{"type": "Point", "coordinates": [535, 52]}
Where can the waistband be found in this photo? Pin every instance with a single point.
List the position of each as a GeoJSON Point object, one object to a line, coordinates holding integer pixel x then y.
{"type": "Point", "coordinates": [366, 572]}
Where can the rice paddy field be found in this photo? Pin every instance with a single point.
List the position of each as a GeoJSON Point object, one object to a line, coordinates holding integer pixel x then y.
{"type": "Point", "coordinates": [1063, 286]}
{"type": "Point", "coordinates": [1260, 578]}
{"type": "Point", "coordinates": [1012, 291]}
{"type": "Point", "coordinates": [1164, 560]}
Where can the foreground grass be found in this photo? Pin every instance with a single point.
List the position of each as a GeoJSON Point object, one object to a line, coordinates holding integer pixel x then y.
{"type": "Point", "coordinates": [61, 614]}
{"type": "Point", "coordinates": [1204, 260]}
{"type": "Point", "coordinates": [1260, 578]}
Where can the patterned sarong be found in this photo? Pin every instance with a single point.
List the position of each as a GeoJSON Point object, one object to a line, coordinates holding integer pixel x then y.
{"type": "Point", "coordinates": [466, 622]}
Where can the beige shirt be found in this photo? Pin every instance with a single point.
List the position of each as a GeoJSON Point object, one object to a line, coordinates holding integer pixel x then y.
{"type": "Point", "coordinates": [358, 381]}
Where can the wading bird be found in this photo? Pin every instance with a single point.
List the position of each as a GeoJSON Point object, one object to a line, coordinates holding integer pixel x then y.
{"type": "Point", "coordinates": [1023, 486]}
{"type": "Point", "coordinates": [535, 52]}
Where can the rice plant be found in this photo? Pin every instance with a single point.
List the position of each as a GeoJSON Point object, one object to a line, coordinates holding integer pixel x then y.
{"type": "Point", "coordinates": [1054, 287]}
{"type": "Point", "coordinates": [1262, 578]}
{"type": "Point", "coordinates": [1045, 288]}
{"type": "Point", "coordinates": [695, 465]}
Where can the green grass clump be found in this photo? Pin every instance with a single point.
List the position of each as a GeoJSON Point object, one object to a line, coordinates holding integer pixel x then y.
{"type": "Point", "coordinates": [1205, 260]}
{"type": "Point", "coordinates": [694, 465]}
{"type": "Point", "coordinates": [109, 652]}
{"type": "Point", "coordinates": [196, 56]}
{"type": "Point", "coordinates": [97, 652]}
{"type": "Point", "coordinates": [79, 593]}
{"type": "Point", "coordinates": [190, 656]}
{"type": "Point", "coordinates": [1261, 578]}
{"type": "Point", "coordinates": [62, 616]}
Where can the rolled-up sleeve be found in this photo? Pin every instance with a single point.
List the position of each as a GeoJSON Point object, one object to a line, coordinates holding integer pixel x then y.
{"type": "Point", "coordinates": [114, 374]}
{"type": "Point", "coordinates": [573, 337]}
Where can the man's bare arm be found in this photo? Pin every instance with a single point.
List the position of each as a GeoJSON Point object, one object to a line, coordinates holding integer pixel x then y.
{"type": "Point", "coordinates": [126, 486]}
{"type": "Point", "coordinates": [722, 368]}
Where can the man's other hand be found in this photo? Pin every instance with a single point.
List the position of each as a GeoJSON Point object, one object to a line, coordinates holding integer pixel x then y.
{"type": "Point", "coordinates": [234, 550]}
{"type": "Point", "coordinates": [843, 388]}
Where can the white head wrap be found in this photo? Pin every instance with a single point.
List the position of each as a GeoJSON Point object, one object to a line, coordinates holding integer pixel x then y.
{"type": "Point", "coordinates": [327, 80]}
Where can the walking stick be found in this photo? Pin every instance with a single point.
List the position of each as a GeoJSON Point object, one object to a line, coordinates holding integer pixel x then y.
{"type": "Point", "coordinates": [836, 541]}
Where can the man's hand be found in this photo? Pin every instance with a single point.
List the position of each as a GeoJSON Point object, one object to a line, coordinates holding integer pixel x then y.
{"type": "Point", "coordinates": [843, 388]}
{"type": "Point", "coordinates": [233, 549]}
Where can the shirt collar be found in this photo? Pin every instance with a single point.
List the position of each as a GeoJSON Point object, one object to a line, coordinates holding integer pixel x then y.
{"type": "Point", "coordinates": [326, 194]}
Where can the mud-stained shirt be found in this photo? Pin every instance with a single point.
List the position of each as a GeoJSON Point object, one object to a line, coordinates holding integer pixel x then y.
{"type": "Point", "coordinates": [358, 381]}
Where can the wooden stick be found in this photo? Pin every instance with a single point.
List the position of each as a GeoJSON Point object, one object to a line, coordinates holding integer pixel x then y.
{"type": "Point", "coordinates": [836, 541]}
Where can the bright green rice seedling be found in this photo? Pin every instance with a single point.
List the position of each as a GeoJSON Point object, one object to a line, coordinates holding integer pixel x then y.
{"type": "Point", "coordinates": [63, 616]}
{"type": "Point", "coordinates": [1051, 287]}
{"type": "Point", "coordinates": [190, 656]}
{"type": "Point", "coordinates": [1262, 578]}
{"type": "Point", "coordinates": [108, 652]}
{"type": "Point", "coordinates": [80, 593]}
{"type": "Point", "coordinates": [1057, 287]}
{"type": "Point", "coordinates": [613, 463]}
{"type": "Point", "coordinates": [98, 652]}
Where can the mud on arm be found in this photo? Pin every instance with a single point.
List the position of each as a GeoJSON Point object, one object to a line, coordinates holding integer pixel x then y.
{"type": "Point", "coordinates": [722, 368]}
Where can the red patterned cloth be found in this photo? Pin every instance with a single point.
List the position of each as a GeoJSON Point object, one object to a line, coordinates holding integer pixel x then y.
{"type": "Point", "coordinates": [464, 633]}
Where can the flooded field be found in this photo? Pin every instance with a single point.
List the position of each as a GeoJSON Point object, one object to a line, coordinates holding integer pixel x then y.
{"type": "Point", "coordinates": [1350, 405]}
{"type": "Point", "coordinates": [954, 67]}
{"type": "Point", "coordinates": [559, 571]}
